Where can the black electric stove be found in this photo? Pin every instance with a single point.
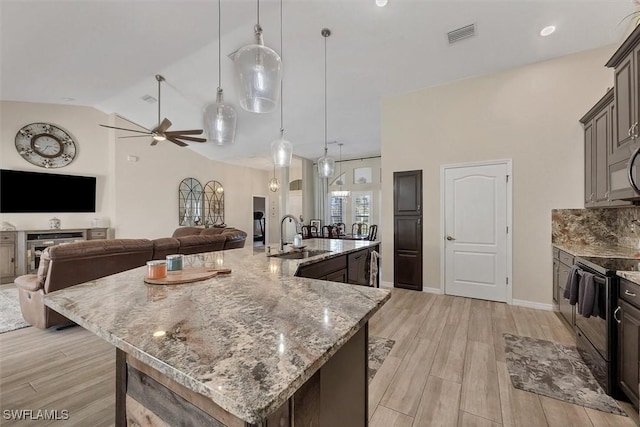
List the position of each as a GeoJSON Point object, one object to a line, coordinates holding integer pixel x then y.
{"type": "Point", "coordinates": [597, 335]}
{"type": "Point", "coordinates": [609, 266]}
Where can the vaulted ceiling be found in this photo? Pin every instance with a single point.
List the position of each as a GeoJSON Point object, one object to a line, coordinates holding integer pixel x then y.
{"type": "Point", "coordinates": [105, 54]}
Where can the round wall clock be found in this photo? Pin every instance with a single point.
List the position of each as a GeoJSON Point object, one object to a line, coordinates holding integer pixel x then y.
{"type": "Point", "coordinates": [45, 145]}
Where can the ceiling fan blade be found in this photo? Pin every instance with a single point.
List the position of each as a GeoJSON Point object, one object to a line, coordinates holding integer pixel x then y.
{"type": "Point", "coordinates": [175, 141]}
{"type": "Point", "coordinates": [166, 123]}
{"type": "Point", "coordinates": [188, 138]}
{"type": "Point", "coordinates": [185, 132]}
{"type": "Point", "coordinates": [128, 130]}
{"type": "Point", "coordinates": [134, 136]}
{"type": "Point", "coordinates": [154, 142]}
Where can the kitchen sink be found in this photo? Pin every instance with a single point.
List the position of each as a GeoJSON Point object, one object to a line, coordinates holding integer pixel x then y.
{"type": "Point", "coordinates": [300, 254]}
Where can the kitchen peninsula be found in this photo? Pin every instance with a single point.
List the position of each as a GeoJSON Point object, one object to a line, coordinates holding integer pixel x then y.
{"type": "Point", "coordinates": [257, 347]}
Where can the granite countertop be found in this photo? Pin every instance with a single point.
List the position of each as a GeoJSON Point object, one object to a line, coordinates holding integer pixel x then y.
{"type": "Point", "coordinates": [605, 252]}
{"type": "Point", "coordinates": [247, 340]}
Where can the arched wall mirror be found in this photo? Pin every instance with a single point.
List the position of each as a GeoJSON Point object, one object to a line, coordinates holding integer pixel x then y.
{"type": "Point", "coordinates": [190, 202]}
{"type": "Point", "coordinates": [213, 203]}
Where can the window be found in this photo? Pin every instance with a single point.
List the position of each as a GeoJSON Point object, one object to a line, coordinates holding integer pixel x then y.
{"type": "Point", "coordinates": [361, 207]}
{"type": "Point", "coordinates": [336, 209]}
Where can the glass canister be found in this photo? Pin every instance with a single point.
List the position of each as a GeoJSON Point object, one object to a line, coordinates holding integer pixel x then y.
{"type": "Point", "coordinates": [174, 262]}
{"type": "Point", "coordinates": [156, 269]}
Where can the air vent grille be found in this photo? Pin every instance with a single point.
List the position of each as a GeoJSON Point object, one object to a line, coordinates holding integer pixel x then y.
{"type": "Point", "coordinates": [148, 98]}
{"type": "Point", "coordinates": [461, 33]}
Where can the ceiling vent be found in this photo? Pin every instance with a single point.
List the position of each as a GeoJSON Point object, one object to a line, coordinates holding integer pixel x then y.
{"type": "Point", "coordinates": [148, 98]}
{"type": "Point", "coordinates": [461, 33]}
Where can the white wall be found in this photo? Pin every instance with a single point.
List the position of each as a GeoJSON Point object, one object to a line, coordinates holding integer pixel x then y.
{"type": "Point", "coordinates": [92, 159]}
{"type": "Point", "coordinates": [139, 199]}
{"type": "Point", "coordinates": [147, 190]}
{"type": "Point", "coordinates": [528, 114]}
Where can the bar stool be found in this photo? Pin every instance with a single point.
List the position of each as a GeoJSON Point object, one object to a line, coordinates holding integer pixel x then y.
{"type": "Point", "coordinates": [373, 232]}
{"type": "Point", "coordinates": [309, 231]}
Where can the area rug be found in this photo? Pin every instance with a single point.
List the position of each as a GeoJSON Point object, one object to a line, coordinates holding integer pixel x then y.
{"type": "Point", "coordinates": [10, 314]}
{"type": "Point", "coordinates": [555, 370]}
{"type": "Point", "coordinates": [379, 349]}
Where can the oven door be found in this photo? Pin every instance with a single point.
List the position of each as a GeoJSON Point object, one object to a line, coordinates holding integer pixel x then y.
{"type": "Point", "coordinates": [595, 328]}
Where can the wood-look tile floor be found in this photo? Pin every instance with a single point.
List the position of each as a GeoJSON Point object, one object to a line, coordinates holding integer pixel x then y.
{"type": "Point", "coordinates": [447, 368]}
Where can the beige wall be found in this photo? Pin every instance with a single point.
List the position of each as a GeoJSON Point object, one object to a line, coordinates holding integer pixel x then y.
{"type": "Point", "coordinates": [528, 114]}
{"type": "Point", "coordinates": [138, 198]}
{"type": "Point", "coordinates": [92, 157]}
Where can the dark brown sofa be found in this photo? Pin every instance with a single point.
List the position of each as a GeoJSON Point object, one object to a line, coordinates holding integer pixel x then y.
{"type": "Point", "coordinates": [67, 265]}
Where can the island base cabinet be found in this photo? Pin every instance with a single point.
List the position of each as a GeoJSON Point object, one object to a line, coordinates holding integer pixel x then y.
{"type": "Point", "coordinates": [335, 396]}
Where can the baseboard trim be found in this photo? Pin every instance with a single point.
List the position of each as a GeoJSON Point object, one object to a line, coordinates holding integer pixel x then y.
{"type": "Point", "coordinates": [436, 291]}
{"type": "Point", "coordinates": [531, 304]}
{"type": "Point", "coordinates": [386, 285]}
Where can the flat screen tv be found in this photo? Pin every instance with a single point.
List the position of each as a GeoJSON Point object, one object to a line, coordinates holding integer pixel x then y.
{"type": "Point", "coordinates": [34, 192]}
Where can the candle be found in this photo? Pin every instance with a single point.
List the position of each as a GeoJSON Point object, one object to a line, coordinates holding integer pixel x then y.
{"type": "Point", "coordinates": [156, 269]}
{"type": "Point", "coordinates": [174, 262]}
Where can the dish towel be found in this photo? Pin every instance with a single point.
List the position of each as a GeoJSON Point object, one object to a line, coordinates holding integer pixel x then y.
{"type": "Point", "coordinates": [586, 295]}
{"type": "Point", "coordinates": [373, 269]}
{"type": "Point", "coordinates": [572, 286]}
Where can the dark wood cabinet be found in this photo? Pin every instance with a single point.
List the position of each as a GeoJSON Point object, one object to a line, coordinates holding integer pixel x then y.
{"type": "Point", "coordinates": [562, 263]}
{"type": "Point", "coordinates": [625, 115]}
{"type": "Point", "coordinates": [351, 268]}
{"type": "Point", "coordinates": [407, 231]}
{"type": "Point", "coordinates": [598, 143]}
{"type": "Point", "coordinates": [628, 317]}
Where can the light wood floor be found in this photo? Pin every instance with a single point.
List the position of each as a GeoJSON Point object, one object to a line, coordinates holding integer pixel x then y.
{"type": "Point", "coordinates": [447, 368]}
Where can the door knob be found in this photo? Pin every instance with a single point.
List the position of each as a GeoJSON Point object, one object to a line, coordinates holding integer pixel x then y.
{"type": "Point", "coordinates": [451, 238]}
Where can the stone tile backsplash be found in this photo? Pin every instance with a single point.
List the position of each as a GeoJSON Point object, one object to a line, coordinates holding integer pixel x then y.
{"type": "Point", "coordinates": [596, 227]}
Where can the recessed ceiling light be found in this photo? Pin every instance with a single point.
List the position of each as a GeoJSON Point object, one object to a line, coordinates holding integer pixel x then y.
{"type": "Point", "coordinates": [68, 99]}
{"type": "Point", "coordinates": [547, 30]}
{"type": "Point", "coordinates": [381, 3]}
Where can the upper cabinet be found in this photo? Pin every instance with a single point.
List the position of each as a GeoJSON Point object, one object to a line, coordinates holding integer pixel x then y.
{"type": "Point", "coordinates": [598, 143]}
{"type": "Point", "coordinates": [626, 115]}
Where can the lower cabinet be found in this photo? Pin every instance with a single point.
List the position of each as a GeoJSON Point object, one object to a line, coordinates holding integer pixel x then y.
{"type": "Point", "coordinates": [629, 342]}
{"type": "Point", "coordinates": [350, 268]}
{"type": "Point", "coordinates": [562, 264]}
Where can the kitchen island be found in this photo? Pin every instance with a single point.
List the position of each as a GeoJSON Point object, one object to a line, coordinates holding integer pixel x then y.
{"type": "Point", "coordinates": [256, 347]}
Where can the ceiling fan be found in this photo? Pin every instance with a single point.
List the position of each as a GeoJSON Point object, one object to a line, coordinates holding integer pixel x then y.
{"type": "Point", "coordinates": [161, 132]}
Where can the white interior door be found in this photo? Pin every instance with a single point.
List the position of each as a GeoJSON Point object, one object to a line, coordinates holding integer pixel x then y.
{"type": "Point", "coordinates": [475, 231]}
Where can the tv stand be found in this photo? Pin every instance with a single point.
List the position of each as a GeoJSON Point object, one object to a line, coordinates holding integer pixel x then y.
{"type": "Point", "coordinates": [20, 250]}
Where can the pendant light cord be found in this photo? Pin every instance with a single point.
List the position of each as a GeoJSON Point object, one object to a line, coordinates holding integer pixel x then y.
{"type": "Point", "coordinates": [325, 96]}
{"type": "Point", "coordinates": [219, 47]}
{"type": "Point", "coordinates": [281, 81]}
{"type": "Point", "coordinates": [258, 12]}
{"type": "Point", "coordinates": [159, 78]}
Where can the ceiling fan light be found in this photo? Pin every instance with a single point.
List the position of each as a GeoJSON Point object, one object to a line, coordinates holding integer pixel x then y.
{"type": "Point", "coordinates": [281, 152]}
{"type": "Point", "coordinates": [159, 137]}
{"type": "Point", "coordinates": [220, 121]}
{"type": "Point", "coordinates": [258, 71]}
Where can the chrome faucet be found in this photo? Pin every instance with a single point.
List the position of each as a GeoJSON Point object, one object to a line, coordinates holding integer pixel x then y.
{"type": "Point", "coordinates": [291, 217]}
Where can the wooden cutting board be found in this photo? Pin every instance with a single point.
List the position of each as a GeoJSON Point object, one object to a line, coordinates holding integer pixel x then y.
{"type": "Point", "coordinates": [187, 275]}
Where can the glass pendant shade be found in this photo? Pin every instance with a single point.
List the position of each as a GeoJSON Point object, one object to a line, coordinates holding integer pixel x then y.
{"type": "Point", "coordinates": [281, 152]}
{"type": "Point", "coordinates": [274, 184]}
{"type": "Point", "coordinates": [220, 121]}
{"type": "Point", "coordinates": [326, 166]}
{"type": "Point", "coordinates": [258, 70]}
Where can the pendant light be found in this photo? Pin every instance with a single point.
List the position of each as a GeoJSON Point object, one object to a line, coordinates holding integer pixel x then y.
{"type": "Point", "coordinates": [220, 118]}
{"type": "Point", "coordinates": [343, 194]}
{"type": "Point", "coordinates": [258, 74]}
{"type": "Point", "coordinates": [326, 164]}
{"type": "Point", "coordinates": [281, 149]}
{"type": "Point", "coordinates": [274, 184]}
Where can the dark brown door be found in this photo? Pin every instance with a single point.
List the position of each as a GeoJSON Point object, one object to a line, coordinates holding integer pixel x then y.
{"type": "Point", "coordinates": [407, 232]}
